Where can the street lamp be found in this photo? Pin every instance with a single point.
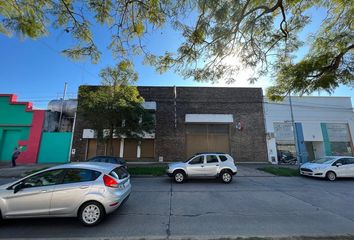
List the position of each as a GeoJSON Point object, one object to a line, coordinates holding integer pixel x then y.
{"type": "Point", "coordinates": [298, 157]}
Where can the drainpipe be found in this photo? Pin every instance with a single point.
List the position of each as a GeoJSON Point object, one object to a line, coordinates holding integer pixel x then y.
{"type": "Point", "coordinates": [72, 138]}
{"type": "Point", "coordinates": [61, 107]}
{"type": "Point", "coordinates": [175, 104]}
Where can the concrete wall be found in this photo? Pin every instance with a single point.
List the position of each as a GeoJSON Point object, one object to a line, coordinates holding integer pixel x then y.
{"type": "Point", "coordinates": [55, 147]}
{"type": "Point", "coordinates": [19, 126]}
{"type": "Point", "coordinates": [310, 112]}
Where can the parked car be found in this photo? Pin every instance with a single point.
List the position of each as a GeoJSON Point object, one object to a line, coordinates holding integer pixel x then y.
{"type": "Point", "coordinates": [88, 191]}
{"type": "Point", "coordinates": [219, 165]}
{"type": "Point", "coordinates": [331, 167]}
{"type": "Point", "coordinates": [108, 159]}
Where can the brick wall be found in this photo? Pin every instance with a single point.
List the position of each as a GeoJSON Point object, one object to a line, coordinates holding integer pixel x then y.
{"type": "Point", "coordinates": [245, 104]}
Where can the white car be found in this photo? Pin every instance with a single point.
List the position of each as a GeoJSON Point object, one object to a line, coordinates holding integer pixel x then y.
{"type": "Point", "coordinates": [219, 165]}
{"type": "Point", "coordinates": [331, 167]}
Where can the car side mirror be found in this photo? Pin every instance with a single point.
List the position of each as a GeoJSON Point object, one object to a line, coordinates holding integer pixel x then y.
{"type": "Point", "coordinates": [338, 164]}
{"type": "Point", "coordinates": [18, 187]}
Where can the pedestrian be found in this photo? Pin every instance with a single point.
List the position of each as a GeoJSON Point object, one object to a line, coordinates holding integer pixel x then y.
{"type": "Point", "coordinates": [15, 155]}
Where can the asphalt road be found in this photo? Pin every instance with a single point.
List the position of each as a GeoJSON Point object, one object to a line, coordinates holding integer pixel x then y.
{"type": "Point", "coordinates": [249, 206]}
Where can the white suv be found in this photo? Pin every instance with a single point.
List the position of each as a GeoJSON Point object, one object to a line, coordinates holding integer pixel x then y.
{"type": "Point", "coordinates": [219, 165]}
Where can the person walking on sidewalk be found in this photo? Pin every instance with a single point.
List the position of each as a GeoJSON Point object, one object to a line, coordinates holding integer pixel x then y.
{"type": "Point", "coordinates": [15, 155]}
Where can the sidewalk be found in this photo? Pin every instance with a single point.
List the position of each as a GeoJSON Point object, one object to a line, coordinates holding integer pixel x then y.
{"type": "Point", "coordinates": [251, 170]}
{"type": "Point", "coordinates": [7, 171]}
{"type": "Point", "coordinates": [244, 169]}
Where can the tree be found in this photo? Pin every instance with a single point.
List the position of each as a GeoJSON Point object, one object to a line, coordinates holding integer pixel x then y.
{"type": "Point", "coordinates": [115, 109]}
{"type": "Point", "coordinates": [261, 34]}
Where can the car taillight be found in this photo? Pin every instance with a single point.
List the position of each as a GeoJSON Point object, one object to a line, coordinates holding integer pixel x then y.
{"type": "Point", "coordinates": [110, 181]}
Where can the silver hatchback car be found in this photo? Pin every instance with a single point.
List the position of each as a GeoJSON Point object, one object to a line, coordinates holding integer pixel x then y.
{"type": "Point", "coordinates": [219, 165]}
{"type": "Point", "coordinates": [87, 190]}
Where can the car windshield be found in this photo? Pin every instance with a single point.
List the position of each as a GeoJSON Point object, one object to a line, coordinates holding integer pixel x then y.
{"type": "Point", "coordinates": [324, 160]}
{"type": "Point", "coordinates": [189, 158]}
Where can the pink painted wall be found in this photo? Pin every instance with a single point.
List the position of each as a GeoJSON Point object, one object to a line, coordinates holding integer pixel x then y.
{"type": "Point", "coordinates": [30, 155]}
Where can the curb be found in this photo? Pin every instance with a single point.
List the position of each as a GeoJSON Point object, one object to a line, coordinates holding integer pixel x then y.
{"type": "Point", "coordinates": [226, 237]}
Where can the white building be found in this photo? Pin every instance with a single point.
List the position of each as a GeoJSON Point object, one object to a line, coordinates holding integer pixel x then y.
{"type": "Point", "coordinates": [324, 126]}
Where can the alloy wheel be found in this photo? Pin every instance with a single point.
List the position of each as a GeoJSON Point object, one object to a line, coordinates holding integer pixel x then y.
{"type": "Point", "coordinates": [91, 214]}
{"type": "Point", "coordinates": [331, 176]}
{"type": "Point", "coordinates": [179, 177]}
{"type": "Point", "coordinates": [226, 177]}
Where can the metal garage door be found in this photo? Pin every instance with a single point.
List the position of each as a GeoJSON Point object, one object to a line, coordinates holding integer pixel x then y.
{"type": "Point", "coordinates": [147, 148]}
{"type": "Point", "coordinates": [207, 138]}
{"type": "Point", "coordinates": [130, 149]}
{"type": "Point", "coordinates": [116, 147]}
{"type": "Point", "coordinates": [91, 148]}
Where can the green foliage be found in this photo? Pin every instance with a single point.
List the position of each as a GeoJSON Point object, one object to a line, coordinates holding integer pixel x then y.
{"type": "Point", "coordinates": [281, 171]}
{"type": "Point", "coordinates": [114, 111]}
{"type": "Point", "coordinates": [151, 171]}
{"type": "Point", "coordinates": [122, 74]}
{"type": "Point", "coordinates": [261, 34]}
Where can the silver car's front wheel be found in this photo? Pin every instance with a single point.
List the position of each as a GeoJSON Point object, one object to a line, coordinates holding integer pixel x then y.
{"type": "Point", "coordinates": [179, 177]}
{"type": "Point", "coordinates": [91, 213]}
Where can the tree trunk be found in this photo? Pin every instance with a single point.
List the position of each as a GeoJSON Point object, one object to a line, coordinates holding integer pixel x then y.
{"type": "Point", "coordinates": [110, 148]}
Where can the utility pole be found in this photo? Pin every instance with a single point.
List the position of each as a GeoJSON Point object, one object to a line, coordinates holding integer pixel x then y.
{"type": "Point", "coordinates": [298, 158]}
{"type": "Point", "coordinates": [61, 107]}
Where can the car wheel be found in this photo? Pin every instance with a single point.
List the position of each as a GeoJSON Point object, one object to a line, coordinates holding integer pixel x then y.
{"type": "Point", "coordinates": [331, 176]}
{"type": "Point", "coordinates": [91, 213]}
{"type": "Point", "coordinates": [179, 176]}
{"type": "Point", "coordinates": [226, 176]}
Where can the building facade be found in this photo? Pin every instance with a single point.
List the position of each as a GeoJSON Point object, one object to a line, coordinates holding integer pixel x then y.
{"type": "Point", "coordinates": [324, 126]}
{"type": "Point", "coordinates": [20, 125]}
{"type": "Point", "coordinates": [188, 120]}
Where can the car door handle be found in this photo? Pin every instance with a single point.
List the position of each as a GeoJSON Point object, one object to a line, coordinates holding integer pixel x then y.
{"type": "Point", "coordinates": [44, 191]}
{"type": "Point", "coordinates": [202, 166]}
{"type": "Point", "coordinates": [217, 165]}
{"type": "Point", "coordinates": [83, 187]}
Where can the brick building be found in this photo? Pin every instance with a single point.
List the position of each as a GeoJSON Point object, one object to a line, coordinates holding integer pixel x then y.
{"type": "Point", "coordinates": [189, 120]}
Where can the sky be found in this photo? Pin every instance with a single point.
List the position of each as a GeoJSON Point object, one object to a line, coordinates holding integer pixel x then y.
{"type": "Point", "coordinates": [35, 70]}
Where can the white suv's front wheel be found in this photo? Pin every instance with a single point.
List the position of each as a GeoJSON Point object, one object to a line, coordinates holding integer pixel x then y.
{"type": "Point", "coordinates": [226, 176]}
{"type": "Point", "coordinates": [179, 176]}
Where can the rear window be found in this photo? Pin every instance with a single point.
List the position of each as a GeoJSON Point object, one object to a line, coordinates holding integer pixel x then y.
{"type": "Point", "coordinates": [80, 175]}
{"type": "Point", "coordinates": [223, 158]}
{"type": "Point", "coordinates": [119, 173]}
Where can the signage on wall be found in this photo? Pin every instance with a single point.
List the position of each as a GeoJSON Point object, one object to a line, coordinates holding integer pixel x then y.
{"type": "Point", "coordinates": [338, 132]}
{"type": "Point", "coordinates": [283, 131]}
{"type": "Point", "coordinates": [240, 126]}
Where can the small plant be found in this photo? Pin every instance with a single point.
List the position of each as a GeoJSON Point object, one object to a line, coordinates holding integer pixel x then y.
{"type": "Point", "coordinates": [281, 171]}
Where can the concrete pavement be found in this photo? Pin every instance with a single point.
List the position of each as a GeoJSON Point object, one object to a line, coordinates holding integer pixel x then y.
{"type": "Point", "coordinates": [6, 171]}
{"type": "Point", "coordinates": [208, 209]}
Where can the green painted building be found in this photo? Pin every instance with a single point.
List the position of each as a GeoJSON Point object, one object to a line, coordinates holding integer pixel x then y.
{"type": "Point", "coordinates": [20, 125]}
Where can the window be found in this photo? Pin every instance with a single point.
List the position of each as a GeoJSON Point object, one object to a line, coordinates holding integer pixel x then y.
{"type": "Point", "coordinates": [212, 159]}
{"type": "Point", "coordinates": [346, 161]}
{"type": "Point", "coordinates": [350, 160]}
{"type": "Point", "coordinates": [341, 161]}
{"type": "Point", "coordinates": [197, 160]}
{"type": "Point", "coordinates": [341, 148]}
{"type": "Point", "coordinates": [223, 158]}
{"type": "Point", "coordinates": [80, 175]}
{"type": "Point", "coordinates": [44, 179]}
{"type": "Point", "coordinates": [119, 173]}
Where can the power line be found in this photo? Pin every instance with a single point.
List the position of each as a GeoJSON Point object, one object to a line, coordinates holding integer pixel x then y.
{"type": "Point", "coordinates": [75, 63]}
